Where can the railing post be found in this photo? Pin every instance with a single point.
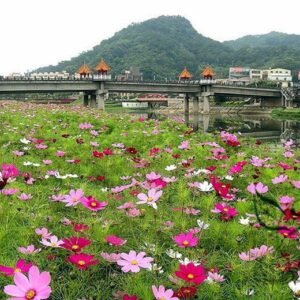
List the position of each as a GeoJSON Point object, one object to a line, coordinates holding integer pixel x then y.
{"type": "Point", "coordinates": [186, 103]}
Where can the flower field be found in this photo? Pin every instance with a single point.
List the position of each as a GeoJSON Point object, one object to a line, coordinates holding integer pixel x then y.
{"type": "Point", "coordinates": [98, 206]}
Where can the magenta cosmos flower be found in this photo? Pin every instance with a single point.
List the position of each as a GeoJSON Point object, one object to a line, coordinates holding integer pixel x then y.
{"type": "Point", "coordinates": [184, 240]}
{"type": "Point", "coordinates": [75, 244]}
{"type": "Point", "coordinates": [151, 198]}
{"type": "Point", "coordinates": [21, 266]}
{"type": "Point", "coordinates": [93, 204]}
{"type": "Point", "coordinates": [35, 287]}
{"type": "Point", "coordinates": [114, 240]}
{"type": "Point", "coordinates": [133, 262]}
{"type": "Point", "coordinates": [161, 293]}
{"type": "Point", "coordinates": [83, 261]}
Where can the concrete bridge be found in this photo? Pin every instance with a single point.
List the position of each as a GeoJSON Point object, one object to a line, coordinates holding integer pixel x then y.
{"type": "Point", "coordinates": [96, 91]}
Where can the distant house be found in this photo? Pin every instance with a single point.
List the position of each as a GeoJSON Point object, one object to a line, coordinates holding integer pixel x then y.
{"type": "Point", "coordinates": [133, 74]}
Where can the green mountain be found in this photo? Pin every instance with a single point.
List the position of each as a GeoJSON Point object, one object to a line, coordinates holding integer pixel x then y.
{"type": "Point", "coordinates": [272, 39]}
{"type": "Point", "coordinates": [165, 45]}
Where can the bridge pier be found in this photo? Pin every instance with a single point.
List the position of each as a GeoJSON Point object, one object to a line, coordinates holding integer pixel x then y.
{"type": "Point", "coordinates": [93, 101]}
{"type": "Point", "coordinates": [196, 105]}
{"type": "Point", "coordinates": [186, 104]}
{"type": "Point", "coordinates": [100, 96]}
{"type": "Point", "coordinates": [85, 99]}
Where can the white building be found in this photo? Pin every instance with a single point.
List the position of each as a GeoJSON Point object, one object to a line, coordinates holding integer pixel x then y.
{"type": "Point", "coordinates": [279, 74]}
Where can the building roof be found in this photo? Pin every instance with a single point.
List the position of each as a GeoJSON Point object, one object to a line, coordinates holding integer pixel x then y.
{"type": "Point", "coordinates": [102, 66]}
{"type": "Point", "coordinates": [84, 69]}
{"type": "Point", "coordinates": [208, 71]}
{"type": "Point", "coordinates": [185, 74]}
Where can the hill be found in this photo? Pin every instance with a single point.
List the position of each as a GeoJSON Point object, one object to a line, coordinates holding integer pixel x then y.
{"type": "Point", "coordinates": [165, 45]}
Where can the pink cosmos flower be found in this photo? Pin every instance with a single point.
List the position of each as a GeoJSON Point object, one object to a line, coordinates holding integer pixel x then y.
{"type": "Point", "coordinates": [280, 179]}
{"type": "Point", "coordinates": [286, 202]}
{"type": "Point", "coordinates": [73, 198]}
{"type": "Point", "coordinates": [133, 262]}
{"type": "Point", "coordinates": [153, 176]}
{"type": "Point", "coordinates": [133, 212]}
{"type": "Point", "coordinates": [92, 204]}
{"type": "Point", "coordinates": [296, 184]}
{"type": "Point", "coordinates": [230, 139]}
{"type": "Point", "coordinates": [85, 126]}
{"type": "Point", "coordinates": [150, 199]}
{"type": "Point", "coordinates": [288, 154]}
{"type": "Point", "coordinates": [29, 250]}
{"type": "Point", "coordinates": [111, 257]}
{"type": "Point", "coordinates": [53, 242]}
{"type": "Point", "coordinates": [41, 146]}
{"type": "Point", "coordinates": [43, 232]}
{"type": "Point", "coordinates": [114, 240]}
{"type": "Point", "coordinates": [47, 161]}
{"type": "Point", "coordinates": [60, 153]}
{"type": "Point", "coordinates": [256, 253]}
{"type": "Point", "coordinates": [161, 293]}
{"type": "Point", "coordinates": [21, 266]}
{"type": "Point", "coordinates": [215, 276]}
{"type": "Point", "coordinates": [184, 145]}
{"type": "Point", "coordinates": [58, 197]}
{"type": "Point", "coordinates": [187, 239]}
{"type": "Point", "coordinates": [257, 188]}
{"type": "Point", "coordinates": [35, 287]}
{"type": "Point", "coordinates": [25, 197]}
{"type": "Point", "coordinates": [9, 192]}
{"type": "Point", "coordinates": [191, 211]}
{"type": "Point", "coordinates": [18, 153]}
{"type": "Point", "coordinates": [126, 205]}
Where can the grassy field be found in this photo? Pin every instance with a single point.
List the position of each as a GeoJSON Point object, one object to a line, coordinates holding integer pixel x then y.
{"type": "Point", "coordinates": [127, 184]}
{"type": "Point", "coordinates": [288, 113]}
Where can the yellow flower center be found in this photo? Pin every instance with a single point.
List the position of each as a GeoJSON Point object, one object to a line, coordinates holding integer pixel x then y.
{"type": "Point", "coordinates": [75, 247]}
{"type": "Point", "coordinates": [134, 262]}
{"type": "Point", "coordinates": [285, 234]}
{"type": "Point", "coordinates": [226, 209]}
{"type": "Point", "coordinates": [30, 294]}
{"type": "Point", "coordinates": [185, 243]}
{"type": "Point", "coordinates": [74, 199]}
{"type": "Point", "coordinates": [53, 245]}
{"type": "Point", "coordinates": [93, 204]}
{"type": "Point", "coordinates": [190, 276]}
{"type": "Point", "coordinates": [149, 199]}
{"type": "Point", "coordinates": [17, 270]}
{"type": "Point", "coordinates": [81, 262]}
{"type": "Point", "coordinates": [162, 298]}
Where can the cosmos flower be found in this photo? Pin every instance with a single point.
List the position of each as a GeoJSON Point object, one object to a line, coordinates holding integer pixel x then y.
{"type": "Point", "coordinates": [133, 262]}
{"type": "Point", "coordinates": [162, 293]}
{"type": "Point", "coordinates": [184, 240]}
{"type": "Point", "coordinates": [191, 273]}
{"type": "Point", "coordinates": [21, 266]}
{"type": "Point", "coordinates": [83, 261]}
{"type": "Point", "coordinates": [75, 244]}
{"type": "Point", "coordinates": [35, 287]}
{"type": "Point", "coordinates": [92, 204]}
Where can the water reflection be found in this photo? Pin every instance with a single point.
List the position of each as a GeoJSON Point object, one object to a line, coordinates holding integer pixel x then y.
{"type": "Point", "coordinates": [262, 127]}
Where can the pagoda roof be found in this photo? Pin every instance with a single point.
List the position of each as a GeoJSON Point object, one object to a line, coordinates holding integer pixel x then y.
{"type": "Point", "coordinates": [208, 71]}
{"type": "Point", "coordinates": [84, 69]}
{"type": "Point", "coordinates": [102, 66]}
{"type": "Point", "coordinates": [185, 74]}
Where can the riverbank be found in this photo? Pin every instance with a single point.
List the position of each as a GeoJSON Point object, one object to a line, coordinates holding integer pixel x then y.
{"type": "Point", "coordinates": [287, 113]}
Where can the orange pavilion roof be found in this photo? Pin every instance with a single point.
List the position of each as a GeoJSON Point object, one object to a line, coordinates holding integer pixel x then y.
{"type": "Point", "coordinates": [208, 71]}
{"type": "Point", "coordinates": [102, 66]}
{"type": "Point", "coordinates": [84, 69]}
{"type": "Point", "coordinates": [185, 74]}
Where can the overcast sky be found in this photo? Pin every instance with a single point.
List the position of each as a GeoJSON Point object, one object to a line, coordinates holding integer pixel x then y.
{"type": "Point", "coordinates": [35, 33]}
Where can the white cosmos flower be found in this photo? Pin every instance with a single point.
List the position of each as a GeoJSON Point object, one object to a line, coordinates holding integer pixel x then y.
{"type": "Point", "coordinates": [173, 254]}
{"type": "Point", "coordinates": [36, 164]}
{"type": "Point", "coordinates": [170, 168]}
{"type": "Point", "coordinates": [205, 186]}
{"type": "Point", "coordinates": [1, 178]}
{"type": "Point", "coordinates": [27, 163]}
{"type": "Point", "coordinates": [202, 224]}
{"type": "Point", "coordinates": [186, 261]}
{"type": "Point", "coordinates": [105, 189]}
{"type": "Point", "coordinates": [25, 141]}
{"type": "Point", "coordinates": [156, 268]}
{"type": "Point", "coordinates": [53, 242]}
{"type": "Point", "coordinates": [228, 177]}
{"type": "Point", "coordinates": [295, 287]}
{"type": "Point", "coordinates": [244, 221]}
